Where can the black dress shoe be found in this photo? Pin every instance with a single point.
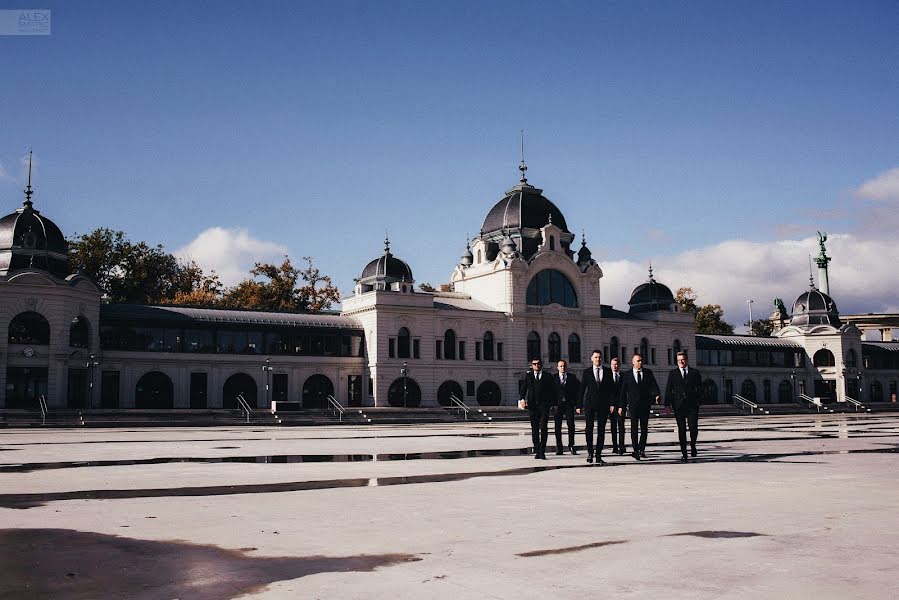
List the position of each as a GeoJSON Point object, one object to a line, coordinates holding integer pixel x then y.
{"type": "Point", "coordinates": [693, 451]}
{"type": "Point", "coordinates": [542, 457]}
{"type": "Point", "coordinates": [635, 454]}
{"type": "Point", "coordinates": [621, 452]}
{"type": "Point", "coordinates": [642, 453]}
{"type": "Point", "coordinates": [536, 457]}
{"type": "Point", "coordinates": [572, 450]}
{"type": "Point", "coordinates": [589, 458]}
{"type": "Point", "coordinates": [615, 450]}
{"type": "Point", "coordinates": [560, 451]}
{"type": "Point", "coordinates": [683, 458]}
{"type": "Point", "coordinates": [600, 461]}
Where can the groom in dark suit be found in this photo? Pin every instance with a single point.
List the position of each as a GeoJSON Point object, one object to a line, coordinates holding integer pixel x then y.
{"type": "Point", "coordinates": [538, 393]}
{"type": "Point", "coordinates": [684, 393]}
{"type": "Point", "coordinates": [597, 401]}
{"type": "Point", "coordinates": [638, 392]}
{"type": "Point", "coordinates": [568, 388]}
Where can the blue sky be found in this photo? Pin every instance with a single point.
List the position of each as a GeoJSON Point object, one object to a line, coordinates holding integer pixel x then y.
{"type": "Point", "coordinates": [666, 130]}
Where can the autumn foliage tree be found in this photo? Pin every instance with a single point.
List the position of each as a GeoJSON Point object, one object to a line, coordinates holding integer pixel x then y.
{"type": "Point", "coordinates": [283, 287]}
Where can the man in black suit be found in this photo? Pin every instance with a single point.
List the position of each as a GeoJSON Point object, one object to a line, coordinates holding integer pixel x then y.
{"type": "Point", "coordinates": [618, 415]}
{"type": "Point", "coordinates": [639, 391]}
{"type": "Point", "coordinates": [684, 393]}
{"type": "Point", "coordinates": [568, 388]}
{"type": "Point", "coordinates": [597, 401]}
{"type": "Point", "coordinates": [538, 393]}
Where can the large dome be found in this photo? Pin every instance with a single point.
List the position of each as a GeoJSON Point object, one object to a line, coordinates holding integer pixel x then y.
{"type": "Point", "coordinates": [388, 266]}
{"type": "Point", "coordinates": [28, 240]}
{"type": "Point", "coordinates": [651, 296]}
{"type": "Point", "coordinates": [523, 206]}
{"type": "Point", "coordinates": [814, 307]}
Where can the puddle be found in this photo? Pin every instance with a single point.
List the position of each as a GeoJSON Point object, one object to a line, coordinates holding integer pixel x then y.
{"type": "Point", "coordinates": [570, 549]}
{"type": "Point", "coordinates": [275, 459]}
{"type": "Point", "coordinates": [64, 563]}
{"type": "Point", "coordinates": [719, 534]}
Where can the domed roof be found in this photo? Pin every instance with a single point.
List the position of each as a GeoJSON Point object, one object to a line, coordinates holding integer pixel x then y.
{"type": "Point", "coordinates": [523, 206]}
{"type": "Point", "coordinates": [814, 307]}
{"type": "Point", "coordinates": [387, 267]}
{"type": "Point", "coordinates": [29, 240]}
{"type": "Point", "coordinates": [651, 296]}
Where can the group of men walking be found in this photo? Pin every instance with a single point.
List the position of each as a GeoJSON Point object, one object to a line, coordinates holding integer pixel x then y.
{"type": "Point", "coordinates": [606, 394]}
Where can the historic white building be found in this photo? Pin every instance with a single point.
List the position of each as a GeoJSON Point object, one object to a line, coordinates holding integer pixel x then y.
{"type": "Point", "coordinates": [519, 291]}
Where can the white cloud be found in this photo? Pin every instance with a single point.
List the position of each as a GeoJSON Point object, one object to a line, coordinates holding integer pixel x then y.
{"type": "Point", "coordinates": [230, 252]}
{"type": "Point", "coordinates": [883, 187]}
{"type": "Point", "coordinates": [862, 274]}
{"type": "Point", "coordinates": [4, 174]}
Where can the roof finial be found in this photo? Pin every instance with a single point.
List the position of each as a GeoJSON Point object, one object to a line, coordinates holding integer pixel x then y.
{"type": "Point", "coordinates": [28, 191]}
{"type": "Point", "coordinates": [550, 218]}
{"type": "Point", "coordinates": [811, 278]}
{"type": "Point", "coordinates": [522, 167]}
{"type": "Point", "coordinates": [650, 272]}
{"type": "Point", "coordinates": [583, 238]}
{"type": "Point", "coordinates": [386, 242]}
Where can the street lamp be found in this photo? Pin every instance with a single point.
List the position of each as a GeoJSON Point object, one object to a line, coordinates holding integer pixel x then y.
{"type": "Point", "coordinates": [793, 383]}
{"type": "Point", "coordinates": [404, 372]}
{"type": "Point", "coordinates": [91, 363]}
{"type": "Point", "coordinates": [267, 368]}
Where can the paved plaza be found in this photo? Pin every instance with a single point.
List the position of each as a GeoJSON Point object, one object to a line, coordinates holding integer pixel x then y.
{"type": "Point", "coordinates": [773, 507]}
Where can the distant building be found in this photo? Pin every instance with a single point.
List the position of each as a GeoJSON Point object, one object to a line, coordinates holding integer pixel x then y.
{"type": "Point", "coordinates": [519, 291]}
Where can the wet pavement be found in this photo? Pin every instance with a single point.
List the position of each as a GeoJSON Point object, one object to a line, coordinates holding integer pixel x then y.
{"type": "Point", "coordinates": [461, 511]}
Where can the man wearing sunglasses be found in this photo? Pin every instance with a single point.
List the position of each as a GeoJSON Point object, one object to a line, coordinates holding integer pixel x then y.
{"type": "Point", "coordinates": [538, 394]}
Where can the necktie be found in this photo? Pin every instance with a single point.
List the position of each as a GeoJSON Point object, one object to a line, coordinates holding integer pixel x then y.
{"type": "Point", "coordinates": [683, 373]}
{"type": "Point", "coordinates": [616, 377]}
{"type": "Point", "coordinates": [538, 376]}
{"type": "Point", "coordinates": [639, 377]}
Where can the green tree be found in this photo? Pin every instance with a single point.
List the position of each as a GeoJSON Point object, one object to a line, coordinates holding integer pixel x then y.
{"type": "Point", "coordinates": [761, 327]}
{"type": "Point", "coordinates": [710, 320]}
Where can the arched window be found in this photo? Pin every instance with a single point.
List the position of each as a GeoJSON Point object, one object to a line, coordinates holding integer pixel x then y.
{"type": "Point", "coordinates": [551, 287]}
{"type": "Point", "coordinates": [710, 391]}
{"type": "Point", "coordinates": [785, 392]}
{"type": "Point", "coordinates": [29, 328]}
{"type": "Point", "coordinates": [677, 346]}
{"type": "Point", "coordinates": [614, 348]}
{"type": "Point", "coordinates": [824, 358]}
{"type": "Point", "coordinates": [644, 350]}
{"type": "Point", "coordinates": [79, 333]}
{"type": "Point", "coordinates": [554, 347]}
{"type": "Point", "coordinates": [154, 390]}
{"type": "Point", "coordinates": [489, 346]}
{"type": "Point", "coordinates": [239, 384]}
{"type": "Point", "coordinates": [403, 343]}
{"type": "Point", "coordinates": [449, 345]}
{"type": "Point", "coordinates": [404, 392]}
{"type": "Point", "coordinates": [479, 256]}
{"type": "Point", "coordinates": [747, 389]}
{"type": "Point", "coordinates": [552, 242]}
{"type": "Point", "coordinates": [533, 345]}
{"type": "Point", "coordinates": [447, 389]}
{"type": "Point", "coordinates": [851, 358]}
{"type": "Point", "coordinates": [489, 394]}
{"type": "Point", "coordinates": [574, 348]}
{"type": "Point", "coordinates": [316, 390]}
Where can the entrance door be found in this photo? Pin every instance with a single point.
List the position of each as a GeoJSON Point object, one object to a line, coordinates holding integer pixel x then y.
{"type": "Point", "coordinates": [825, 389]}
{"type": "Point", "coordinates": [316, 390]}
{"type": "Point", "coordinates": [77, 390]}
{"type": "Point", "coordinates": [24, 386]}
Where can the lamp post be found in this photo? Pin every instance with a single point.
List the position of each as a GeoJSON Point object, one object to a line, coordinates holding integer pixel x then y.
{"type": "Point", "coordinates": [404, 372]}
{"type": "Point", "coordinates": [793, 383]}
{"type": "Point", "coordinates": [91, 363]}
{"type": "Point", "coordinates": [267, 368]}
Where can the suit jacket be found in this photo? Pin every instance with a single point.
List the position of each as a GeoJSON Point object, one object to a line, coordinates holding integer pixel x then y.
{"type": "Point", "coordinates": [616, 387]}
{"type": "Point", "coordinates": [539, 395]}
{"type": "Point", "coordinates": [638, 398]}
{"type": "Point", "coordinates": [683, 392]}
{"type": "Point", "coordinates": [597, 396]}
{"type": "Point", "coordinates": [567, 395]}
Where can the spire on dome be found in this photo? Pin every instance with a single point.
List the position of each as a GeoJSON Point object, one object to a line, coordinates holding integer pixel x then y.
{"type": "Point", "coordinates": [28, 191]}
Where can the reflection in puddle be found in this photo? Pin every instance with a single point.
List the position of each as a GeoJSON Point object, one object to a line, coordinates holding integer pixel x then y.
{"type": "Point", "coordinates": [570, 549]}
{"type": "Point", "coordinates": [63, 563]}
{"type": "Point", "coordinates": [719, 534]}
{"type": "Point", "coordinates": [276, 459]}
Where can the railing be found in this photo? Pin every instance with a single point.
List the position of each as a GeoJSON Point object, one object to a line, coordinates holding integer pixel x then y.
{"type": "Point", "coordinates": [244, 406]}
{"type": "Point", "coordinates": [745, 403]}
{"type": "Point", "coordinates": [856, 404]}
{"type": "Point", "coordinates": [460, 405]}
{"type": "Point", "coordinates": [42, 403]}
{"type": "Point", "coordinates": [336, 407]}
{"type": "Point", "coordinates": [816, 402]}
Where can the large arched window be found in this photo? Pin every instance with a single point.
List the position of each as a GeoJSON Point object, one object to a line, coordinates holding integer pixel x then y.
{"type": "Point", "coordinates": [851, 358]}
{"type": "Point", "coordinates": [574, 348]}
{"type": "Point", "coordinates": [551, 287]}
{"type": "Point", "coordinates": [489, 394]}
{"type": "Point", "coordinates": [533, 345]}
{"type": "Point", "coordinates": [614, 348]}
{"type": "Point", "coordinates": [449, 345]}
{"type": "Point", "coordinates": [239, 384]}
{"type": "Point", "coordinates": [554, 345]}
{"type": "Point", "coordinates": [489, 346]}
{"type": "Point", "coordinates": [747, 390]}
{"type": "Point", "coordinates": [154, 390]}
{"type": "Point", "coordinates": [79, 333]}
{"type": "Point", "coordinates": [824, 358]}
{"type": "Point", "coordinates": [404, 392]}
{"type": "Point", "coordinates": [447, 389]}
{"type": "Point", "coordinates": [29, 328]}
{"type": "Point", "coordinates": [316, 390]}
{"type": "Point", "coordinates": [403, 343]}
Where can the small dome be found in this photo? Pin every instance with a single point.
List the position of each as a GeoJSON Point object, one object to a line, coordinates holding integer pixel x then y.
{"type": "Point", "coordinates": [814, 307]}
{"type": "Point", "coordinates": [651, 296]}
{"type": "Point", "coordinates": [584, 256]}
{"type": "Point", "coordinates": [29, 240]}
{"type": "Point", "coordinates": [387, 267]}
{"type": "Point", "coordinates": [467, 256]}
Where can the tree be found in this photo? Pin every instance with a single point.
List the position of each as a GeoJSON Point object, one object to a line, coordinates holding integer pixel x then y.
{"type": "Point", "coordinates": [761, 327]}
{"type": "Point", "coordinates": [280, 290]}
{"type": "Point", "coordinates": [128, 271]}
{"type": "Point", "coordinates": [426, 287]}
{"type": "Point", "coordinates": [205, 290]}
{"type": "Point", "coordinates": [685, 297]}
{"type": "Point", "coordinates": [710, 320]}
